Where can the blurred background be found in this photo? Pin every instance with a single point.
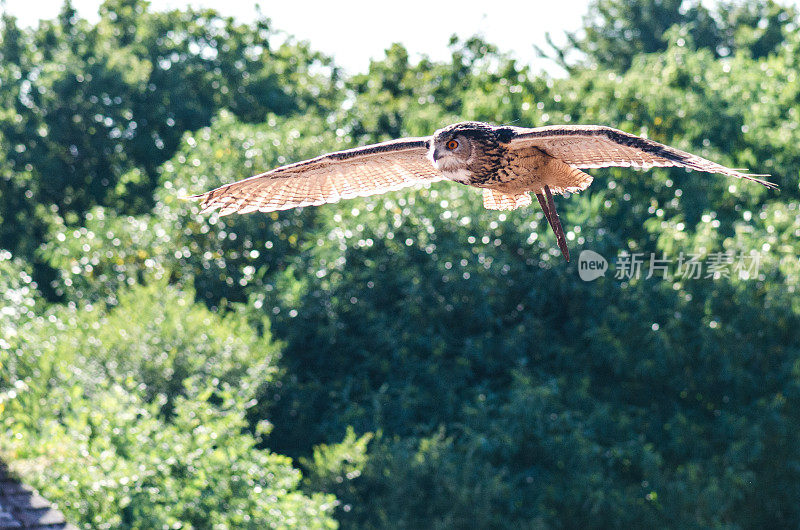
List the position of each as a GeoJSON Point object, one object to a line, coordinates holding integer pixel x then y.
{"type": "Point", "coordinates": [410, 360]}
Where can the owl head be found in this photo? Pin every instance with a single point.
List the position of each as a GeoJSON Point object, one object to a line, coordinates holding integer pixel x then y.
{"type": "Point", "coordinates": [461, 150]}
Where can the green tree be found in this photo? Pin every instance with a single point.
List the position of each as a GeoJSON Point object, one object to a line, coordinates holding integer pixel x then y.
{"type": "Point", "coordinates": [502, 393]}
{"type": "Point", "coordinates": [92, 110]}
{"type": "Point", "coordinates": [616, 31]}
{"type": "Point", "coordinates": [443, 367]}
{"type": "Point", "coordinates": [141, 422]}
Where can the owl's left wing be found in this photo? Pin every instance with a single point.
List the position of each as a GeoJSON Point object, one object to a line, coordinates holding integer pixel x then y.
{"type": "Point", "coordinates": [593, 146]}
{"type": "Point", "coordinates": [358, 172]}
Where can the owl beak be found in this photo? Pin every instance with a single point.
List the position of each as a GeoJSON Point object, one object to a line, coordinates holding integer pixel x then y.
{"type": "Point", "coordinates": [433, 155]}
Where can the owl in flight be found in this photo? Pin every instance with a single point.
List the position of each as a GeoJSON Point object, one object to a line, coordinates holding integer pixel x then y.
{"type": "Point", "coordinates": [506, 162]}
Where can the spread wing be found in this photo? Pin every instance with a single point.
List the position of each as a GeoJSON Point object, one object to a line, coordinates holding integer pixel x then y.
{"type": "Point", "coordinates": [328, 178]}
{"type": "Point", "coordinates": [592, 146]}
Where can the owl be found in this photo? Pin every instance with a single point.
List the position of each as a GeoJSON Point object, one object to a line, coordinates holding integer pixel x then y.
{"type": "Point", "coordinates": [507, 163]}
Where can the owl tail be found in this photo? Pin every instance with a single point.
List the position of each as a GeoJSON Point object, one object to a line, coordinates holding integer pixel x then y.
{"type": "Point", "coordinates": [497, 200]}
{"type": "Point", "coordinates": [549, 207]}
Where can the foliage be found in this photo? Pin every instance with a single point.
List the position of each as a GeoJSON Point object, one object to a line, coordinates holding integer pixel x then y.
{"type": "Point", "coordinates": [92, 111]}
{"type": "Point", "coordinates": [441, 366]}
{"type": "Point", "coordinates": [334, 467]}
{"type": "Point", "coordinates": [615, 32]}
{"type": "Point", "coordinates": [19, 302]}
{"type": "Point", "coordinates": [140, 423]}
{"type": "Point", "coordinates": [226, 257]}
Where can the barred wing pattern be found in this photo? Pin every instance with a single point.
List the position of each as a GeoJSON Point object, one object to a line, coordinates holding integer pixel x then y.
{"type": "Point", "coordinates": [593, 146]}
{"type": "Point", "coordinates": [358, 172]}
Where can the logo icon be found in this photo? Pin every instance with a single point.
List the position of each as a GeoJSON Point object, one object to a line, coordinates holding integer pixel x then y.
{"type": "Point", "coordinates": [591, 265]}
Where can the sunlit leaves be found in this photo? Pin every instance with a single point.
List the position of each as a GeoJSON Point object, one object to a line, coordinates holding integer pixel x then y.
{"type": "Point", "coordinates": [502, 390]}
{"type": "Point", "coordinates": [139, 421]}
{"type": "Point", "coordinates": [615, 32]}
{"type": "Point", "coordinates": [92, 110]}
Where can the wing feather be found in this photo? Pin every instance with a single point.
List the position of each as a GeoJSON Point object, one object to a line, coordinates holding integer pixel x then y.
{"type": "Point", "coordinates": [593, 146]}
{"type": "Point", "coordinates": [359, 172]}
{"type": "Point", "coordinates": [315, 192]}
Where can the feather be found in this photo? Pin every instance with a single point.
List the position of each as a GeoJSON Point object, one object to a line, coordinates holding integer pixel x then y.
{"type": "Point", "coordinates": [594, 146]}
{"type": "Point", "coordinates": [497, 200]}
{"type": "Point", "coordinates": [356, 172]}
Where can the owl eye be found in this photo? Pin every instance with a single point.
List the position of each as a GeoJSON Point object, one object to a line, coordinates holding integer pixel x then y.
{"type": "Point", "coordinates": [452, 144]}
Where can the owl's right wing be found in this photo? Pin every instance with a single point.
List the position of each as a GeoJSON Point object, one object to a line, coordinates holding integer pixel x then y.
{"type": "Point", "coordinates": [358, 172]}
{"type": "Point", "coordinates": [593, 146]}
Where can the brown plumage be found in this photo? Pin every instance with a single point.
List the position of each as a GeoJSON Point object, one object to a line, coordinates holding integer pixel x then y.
{"type": "Point", "coordinates": [507, 162]}
{"type": "Point", "coordinates": [326, 179]}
